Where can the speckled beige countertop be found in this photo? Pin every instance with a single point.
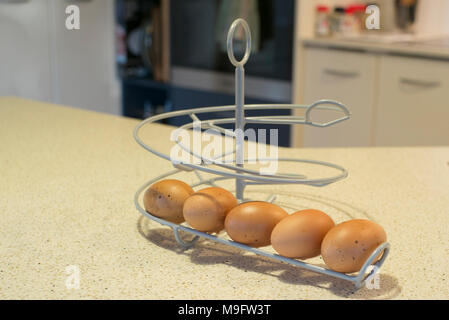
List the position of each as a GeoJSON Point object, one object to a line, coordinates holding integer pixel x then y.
{"type": "Point", "coordinates": [67, 181]}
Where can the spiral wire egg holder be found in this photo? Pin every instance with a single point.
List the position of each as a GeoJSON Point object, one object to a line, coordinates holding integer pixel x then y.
{"type": "Point", "coordinates": [243, 176]}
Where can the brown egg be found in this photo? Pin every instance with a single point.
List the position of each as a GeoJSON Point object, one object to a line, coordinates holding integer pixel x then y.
{"type": "Point", "coordinates": [300, 234]}
{"type": "Point", "coordinates": [251, 223]}
{"type": "Point", "coordinates": [206, 209]}
{"type": "Point", "coordinates": [165, 198]}
{"type": "Point", "coordinates": [346, 246]}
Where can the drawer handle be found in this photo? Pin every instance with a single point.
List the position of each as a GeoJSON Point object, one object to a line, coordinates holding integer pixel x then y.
{"type": "Point", "coordinates": [420, 83]}
{"type": "Point", "coordinates": [341, 73]}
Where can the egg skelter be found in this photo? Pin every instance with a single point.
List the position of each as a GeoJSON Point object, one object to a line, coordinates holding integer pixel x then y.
{"type": "Point", "coordinates": [223, 170]}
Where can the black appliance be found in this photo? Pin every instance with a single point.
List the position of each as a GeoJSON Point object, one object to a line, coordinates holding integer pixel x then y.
{"type": "Point", "coordinates": [199, 57]}
{"type": "Point", "coordinates": [201, 74]}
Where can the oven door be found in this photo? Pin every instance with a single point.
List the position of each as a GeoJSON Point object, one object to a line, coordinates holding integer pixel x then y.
{"type": "Point", "coordinates": [199, 57]}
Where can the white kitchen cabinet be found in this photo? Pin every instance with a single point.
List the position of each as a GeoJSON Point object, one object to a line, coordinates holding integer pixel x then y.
{"type": "Point", "coordinates": [413, 104]}
{"type": "Point", "coordinates": [350, 78]}
{"type": "Point", "coordinates": [85, 58]}
{"type": "Point", "coordinates": [41, 59]}
{"type": "Point", "coordinates": [24, 51]}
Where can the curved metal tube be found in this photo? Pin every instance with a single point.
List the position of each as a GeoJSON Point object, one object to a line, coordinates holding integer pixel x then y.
{"type": "Point", "coordinates": [239, 172]}
{"type": "Point", "coordinates": [230, 48]}
{"type": "Point", "coordinates": [179, 113]}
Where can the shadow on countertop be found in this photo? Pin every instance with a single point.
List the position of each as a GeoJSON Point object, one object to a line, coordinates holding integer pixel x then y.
{"type": "Point", "coordinates": [209, 252]}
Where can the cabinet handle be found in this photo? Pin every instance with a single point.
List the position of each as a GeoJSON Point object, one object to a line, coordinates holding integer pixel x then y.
{"type": "Point", "coordinates": [420, 83]}
{"type": "Point", "coordinates": [341, 73]}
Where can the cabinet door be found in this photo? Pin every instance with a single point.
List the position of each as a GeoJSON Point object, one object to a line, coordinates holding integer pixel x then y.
{"type": "Point", "coordinates": [350, 78]}
{"type": "Point", "coordinates": [413, 106]}
{"type": "Point", "coordinates": [85, 74]}
{"type": "Point", "coordinates": [24, 50]}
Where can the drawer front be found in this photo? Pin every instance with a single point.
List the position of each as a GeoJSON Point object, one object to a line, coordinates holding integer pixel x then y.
{"type": "Point", "coordinates": [348, 77]}
{"type": "Point", "coordinates": [413, 106]}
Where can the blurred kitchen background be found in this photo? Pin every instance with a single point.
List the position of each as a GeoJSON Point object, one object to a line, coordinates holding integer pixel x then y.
{"type": "Point", "coordinates": [139, 58]}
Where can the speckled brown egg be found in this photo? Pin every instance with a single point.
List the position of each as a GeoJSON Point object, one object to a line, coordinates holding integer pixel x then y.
{"type": "Point", "coordinates": [165, 198]}
{"type": "Point", "coordinates": [206, 209]}
{"type": "Point", "coordinates": [252, 222]}
{"type": "Point", "coordinates": [300, 234]}
{"type": "Point", "coordinates": [346, 246]}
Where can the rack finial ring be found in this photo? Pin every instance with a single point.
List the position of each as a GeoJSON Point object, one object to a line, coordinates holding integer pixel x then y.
{"type": "Point", "coordinates": [231, 32]}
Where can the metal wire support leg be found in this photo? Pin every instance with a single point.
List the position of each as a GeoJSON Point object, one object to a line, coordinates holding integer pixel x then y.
{"type": "Point", "coordinates": [184, 244]}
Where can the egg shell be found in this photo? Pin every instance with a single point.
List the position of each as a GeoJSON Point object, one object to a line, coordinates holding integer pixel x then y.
{"type": "Point", "coordinates": [225, 198]}
{"type": "Point", "coordinates": [346, 246]}
{"type": "Point", "coordinates": [206, 209]}
{"type": "Point", "coordinates": [300, 234]}
{"type": "Point", "coordinates": [252, 222]}
{"type": "Point", "coordinates": [165, 199]}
